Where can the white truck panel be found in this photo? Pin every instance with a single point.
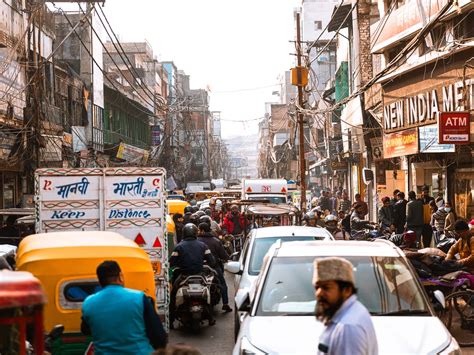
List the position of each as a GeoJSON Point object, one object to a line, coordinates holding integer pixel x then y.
{"type": "Point", "coordinates": [129, 201]}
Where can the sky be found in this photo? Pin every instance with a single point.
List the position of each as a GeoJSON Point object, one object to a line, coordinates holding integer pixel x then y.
{"type": "Point", "coordinates": [232, 47]}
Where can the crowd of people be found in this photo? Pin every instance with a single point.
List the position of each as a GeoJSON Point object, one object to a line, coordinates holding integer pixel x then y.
{"type": "Point", "coordinates": [431, 219]}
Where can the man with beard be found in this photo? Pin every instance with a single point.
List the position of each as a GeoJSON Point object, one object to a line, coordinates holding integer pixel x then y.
{"type": "Point", "coordinates": [349, 328]}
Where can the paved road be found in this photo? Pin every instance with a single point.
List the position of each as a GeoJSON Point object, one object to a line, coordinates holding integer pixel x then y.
{"type": "Point", "coordinates": [218, 339]}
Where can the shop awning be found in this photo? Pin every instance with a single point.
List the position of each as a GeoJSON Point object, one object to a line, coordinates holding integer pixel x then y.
{"type": "Point", "coordinates": [340, 17]}
{"type": "Point", "coordinates": [318, 163]}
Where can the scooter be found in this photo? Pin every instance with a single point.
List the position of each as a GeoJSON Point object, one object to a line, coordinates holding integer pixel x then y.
{"type": "Point", "coordinates": [194, 301]}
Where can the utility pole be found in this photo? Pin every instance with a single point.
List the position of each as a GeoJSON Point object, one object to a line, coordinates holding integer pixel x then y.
{"type": "Point", "coordinates": [301, 80]}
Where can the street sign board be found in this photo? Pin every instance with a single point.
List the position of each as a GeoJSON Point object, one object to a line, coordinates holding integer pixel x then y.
{"type": "Point", "coordinates": [454, 128]}
{"type": "Point", "coordinates": [400, 143]}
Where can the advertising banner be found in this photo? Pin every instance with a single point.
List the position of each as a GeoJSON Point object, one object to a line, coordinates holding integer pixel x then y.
{"type": "Point", "coordinates": [400, 143]}
{"type": "Point", "coordinates": [377, 148]}
{"type": "Point", "coordinates": [428, 137]}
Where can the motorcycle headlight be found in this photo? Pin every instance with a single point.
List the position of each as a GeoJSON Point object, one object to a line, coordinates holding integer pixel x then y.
{"type": "Point", "coordinates": [452, 349]}
{"type": "Point", "coordinates": [247, 348]}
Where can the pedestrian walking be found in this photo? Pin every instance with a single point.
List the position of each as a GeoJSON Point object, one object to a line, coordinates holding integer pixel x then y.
{"type": "Point", "coordinates": [427, 230]}
{"type": "Point", "coordinates": [450, 220]}
{"type": "Point", "coordinates": [121, 320]}
{"type": "Point", "coordinates": [414, 216]}
{"type": "Point", "coordinates": [365, 206]}
{"type": "Point", "coordinates": [438, 220]}
{"type": "Point", "coordinates": [345, 203]}
{"type": "Point", "coordinates": [348, 325]}
{"type": "Point", "coordinates": [394, 198]}
{"type": "Point", "coordinates": [385, 214]}
{"type": "Point", "coordinates": [324, 201]}
{"type": "Point", "coordinates": [400, 213]}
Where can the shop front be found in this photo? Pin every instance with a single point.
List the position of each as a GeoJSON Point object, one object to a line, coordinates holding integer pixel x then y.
{"type": "Point", "coordinates": [464, 193]}
{"type": "Point", "coordinates": [415, 141]}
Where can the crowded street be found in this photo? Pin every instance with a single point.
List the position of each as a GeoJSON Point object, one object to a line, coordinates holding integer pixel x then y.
{"type": "Point", "coordinates": [183, 177]}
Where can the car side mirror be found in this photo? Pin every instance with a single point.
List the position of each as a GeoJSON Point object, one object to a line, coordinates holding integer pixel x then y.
{"type": "Point", "coordinates": [439, 296]}
{"type": "Point", "coordinates": [234, 256]}
{"type": "Point", "coordinates": [233, 267]}
{"type": "Point", "coordinates": [242, 300]}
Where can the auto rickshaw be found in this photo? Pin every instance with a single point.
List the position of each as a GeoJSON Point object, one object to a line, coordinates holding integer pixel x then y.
{"type": "Point", "coordinates": [174, 206]}
{"type": "Point", "coordinates": [268, 214]}
{"type": "Point", "coordinates": [205, 195]}
{"type": "Point", "coordinates": [66, 262]}
{"type": "Point", "coordinates": [21, 313]}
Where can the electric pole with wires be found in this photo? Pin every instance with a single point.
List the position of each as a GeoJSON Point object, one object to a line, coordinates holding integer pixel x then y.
{"type": "Point", "coordinates": [299, 78]}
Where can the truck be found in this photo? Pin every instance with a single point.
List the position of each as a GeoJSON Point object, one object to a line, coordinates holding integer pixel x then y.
{"type": "Point", "coordinates": [274, 190]}
{"type": "Point", "coordinates": [128, 200]}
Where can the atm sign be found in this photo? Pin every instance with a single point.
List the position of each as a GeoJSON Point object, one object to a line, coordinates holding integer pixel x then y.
{"type": "Point", "coordinates": [454, 128]}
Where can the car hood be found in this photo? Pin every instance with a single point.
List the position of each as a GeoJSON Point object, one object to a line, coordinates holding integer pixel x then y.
{"type": "Point", "coordinates": [300, 335]}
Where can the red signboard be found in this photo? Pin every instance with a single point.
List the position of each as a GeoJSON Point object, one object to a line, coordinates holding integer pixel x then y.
{"type": "Point", "coordinates": [400, 143]}
{"type": "Point", "coordinates": [454, 128]}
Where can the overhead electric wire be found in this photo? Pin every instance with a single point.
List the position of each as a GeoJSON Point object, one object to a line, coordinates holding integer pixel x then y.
{"type": "Point", "coordinates": [412, 45]}
{"type": "Point", "coordinates": [123, 55]}
{"type": "Point", "coordinates": [112, 82]}
{"type": "Point", "coordinates": [118, 68]}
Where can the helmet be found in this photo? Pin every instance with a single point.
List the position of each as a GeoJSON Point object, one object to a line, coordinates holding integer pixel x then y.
{"type": "Point", "coordinates": [194, 218]}
{"type": "Point", "coordinates": [190, 231]}
{"type": "Point", "coordinates": [195, 209]}
{"type": "Point", "coordinates": [205, 219]}
{"type": "Point", "coordinates": [188, 209]}
{"type": "Point", "coordinates": [207, 211]}
{"type": "Point", "coordinates": [310, 215]}
{"type": "Point", "coordinates": [330, 218]}
{"type": "Point", "coordinates": [200, 213]}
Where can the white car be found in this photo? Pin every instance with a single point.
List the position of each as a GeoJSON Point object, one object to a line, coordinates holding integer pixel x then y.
{"type": "Point", "coordinates": [280, 308]}
{"type": "Point", "coordinates": [258, 242]}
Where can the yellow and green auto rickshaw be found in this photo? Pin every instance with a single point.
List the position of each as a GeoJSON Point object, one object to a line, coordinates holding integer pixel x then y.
{"type": "Point", "coordinates": [66, 262]}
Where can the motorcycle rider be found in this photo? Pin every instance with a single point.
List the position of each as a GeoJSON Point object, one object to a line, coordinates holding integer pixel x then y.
{"type": "Point", "coordinates": [215, 228]}
{"type": "Point", "coordinates": [234, 222]}
{"type": "Point", "coordinates": [358, 223]}
{"type": "Point", "coordinates": [189, 257]}
{"type": "Point", "coordinates": [313, 220]}
{"type": "Point", "coordinates": [188, 211]}
{"type": "Point", "coordinates": [331, 225]}
{"type": "Point", "coordinates": [220, 255]}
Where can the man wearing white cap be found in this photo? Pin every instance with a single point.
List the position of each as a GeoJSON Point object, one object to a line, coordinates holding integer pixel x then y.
{"type": "Point", "coordinates": [349, 328]}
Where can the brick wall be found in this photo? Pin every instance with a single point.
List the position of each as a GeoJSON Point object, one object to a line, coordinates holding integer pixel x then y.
{"type": "Point", "coordinates": [365, 58]}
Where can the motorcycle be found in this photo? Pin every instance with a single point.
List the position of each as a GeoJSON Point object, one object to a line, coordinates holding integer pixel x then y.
{"type": "Point", "coordinates": [195, 298]}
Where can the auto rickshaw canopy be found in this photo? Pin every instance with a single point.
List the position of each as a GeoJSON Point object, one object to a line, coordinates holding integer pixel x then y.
{"type": "Point", "coordinates": [176, 206]}
{"type": "Point", "coordinates": [20, 289]}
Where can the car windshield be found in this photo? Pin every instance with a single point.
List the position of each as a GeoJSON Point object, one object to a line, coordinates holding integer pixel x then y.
{"type": "Point", "coordinates": [273, 199]}
{"type": "Point", "coordinates": [261, 246]}
{"type": "Point", "coordinates": [385, 285]}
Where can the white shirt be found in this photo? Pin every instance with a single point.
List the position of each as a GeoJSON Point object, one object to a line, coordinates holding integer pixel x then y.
{"type": "Point", "coordinates": [350, 331]}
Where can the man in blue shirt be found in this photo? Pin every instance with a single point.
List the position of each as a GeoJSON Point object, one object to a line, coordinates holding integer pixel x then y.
{"type": "Point", "coordinates": [121, 320]}
{"type": "Point", "coordinates": [349, 328]}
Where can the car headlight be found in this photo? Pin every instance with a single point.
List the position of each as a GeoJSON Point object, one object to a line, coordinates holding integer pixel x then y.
{"type": "Point", "coordinates": [452, 349]}
{"type": "Point", "coordinates": [247, 348]}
